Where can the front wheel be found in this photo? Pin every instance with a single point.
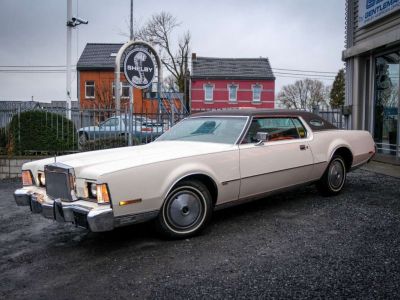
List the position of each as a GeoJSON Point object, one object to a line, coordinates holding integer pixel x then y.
{"type": "Point", "coordinates": [186, 210]}
{"type": "Point", "coordinates": [334, 178]}
{"type": "Point", "coordinates": [83, 138]}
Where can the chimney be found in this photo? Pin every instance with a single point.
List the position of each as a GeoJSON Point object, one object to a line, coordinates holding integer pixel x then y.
{"type": "Point", "coordinates": [194, 56]}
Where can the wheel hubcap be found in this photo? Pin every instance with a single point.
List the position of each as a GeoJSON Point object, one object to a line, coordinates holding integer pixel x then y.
{"type": "Point", "coordinates": [184, 209]}
{"type": "Point", "coordinates": [336, 174]}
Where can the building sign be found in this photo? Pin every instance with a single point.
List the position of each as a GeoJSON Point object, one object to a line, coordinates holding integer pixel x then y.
{"type": "Point", "coordinates": [139, 68]}
{"type": "Point", "coordinates": [371, 10]}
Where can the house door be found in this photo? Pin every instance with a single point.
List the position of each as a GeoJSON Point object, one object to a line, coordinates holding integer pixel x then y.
{"type": "Point", "coordinates": [386, 118]}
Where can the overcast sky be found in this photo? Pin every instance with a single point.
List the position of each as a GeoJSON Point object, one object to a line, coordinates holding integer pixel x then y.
{"type": "Point", "coordinates": [293, 34]}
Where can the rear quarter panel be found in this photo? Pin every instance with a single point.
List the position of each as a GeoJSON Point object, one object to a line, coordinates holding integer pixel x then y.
{"type": "Point", "coordinates": [325, 143]}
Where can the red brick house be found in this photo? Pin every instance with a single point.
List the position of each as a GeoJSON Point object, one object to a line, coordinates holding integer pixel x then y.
{"type": "Point", "coordinates": [231, 82]}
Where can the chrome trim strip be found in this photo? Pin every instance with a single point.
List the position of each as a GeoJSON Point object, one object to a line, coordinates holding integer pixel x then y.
{"type": "Point", "coordinates": [260, 196]}
{"type": "Point", "coordinates": [135, 218]}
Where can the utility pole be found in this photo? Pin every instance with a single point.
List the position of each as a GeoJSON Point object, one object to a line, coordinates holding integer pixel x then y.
{"type": "Point", "coordinates": [131, 24]}
{"type": "Point", "coordinates": [69, 50]}
{"type": "Point", "coordinates": [71, 23]}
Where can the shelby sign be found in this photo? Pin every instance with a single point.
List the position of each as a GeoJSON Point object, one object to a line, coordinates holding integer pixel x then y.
{"type": "Point", "coordinates": [139, 68]}
{"type": "Point", "coordinates": [372, 10]}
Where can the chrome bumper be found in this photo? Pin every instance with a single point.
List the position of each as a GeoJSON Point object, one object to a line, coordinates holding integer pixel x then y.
{"type": "Point", "coordinates": [97, 220]}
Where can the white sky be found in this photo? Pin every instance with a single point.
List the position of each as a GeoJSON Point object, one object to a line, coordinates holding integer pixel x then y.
{"type": "Point", "coordinates": [293, 34]}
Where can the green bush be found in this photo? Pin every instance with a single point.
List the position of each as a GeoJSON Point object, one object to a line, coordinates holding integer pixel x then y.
{"type": "Point", "coordinates": [40, 131]}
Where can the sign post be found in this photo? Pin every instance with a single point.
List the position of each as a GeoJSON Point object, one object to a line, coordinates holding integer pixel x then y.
{"type": "Point", "coordinates": [139, 70]}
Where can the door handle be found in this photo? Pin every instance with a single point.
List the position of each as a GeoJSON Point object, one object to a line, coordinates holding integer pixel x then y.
{"type": "Point", "coordinates": [303, 147]}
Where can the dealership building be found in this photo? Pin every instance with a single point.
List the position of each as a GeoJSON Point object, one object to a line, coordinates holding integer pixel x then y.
{"type": "Point", "coordinates": [372, 58]}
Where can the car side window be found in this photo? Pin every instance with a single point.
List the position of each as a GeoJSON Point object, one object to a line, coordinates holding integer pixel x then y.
{"type": "Point", "coordinates": [111, 122]}
{"type": "Point", "coordinates": [300, 128]}
{"type": "Point", "coordinates": [278, 129]}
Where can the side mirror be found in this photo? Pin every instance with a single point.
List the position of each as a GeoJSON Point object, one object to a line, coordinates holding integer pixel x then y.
{"type": "Point", "coordinates": [262, 137]}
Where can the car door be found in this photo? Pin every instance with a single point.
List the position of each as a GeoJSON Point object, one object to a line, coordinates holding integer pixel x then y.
{"type": "Point", "coordinates": [284, 160]}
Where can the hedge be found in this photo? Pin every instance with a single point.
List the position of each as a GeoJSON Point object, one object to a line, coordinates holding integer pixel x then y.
{"type": "Point", "coordinates": [40, 131]}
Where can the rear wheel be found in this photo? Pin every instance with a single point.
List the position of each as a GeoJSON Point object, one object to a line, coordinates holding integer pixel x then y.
{"type": "Point", "coordinates": [334, 178]}
{"type": "Point", "coordinates": [186, 210]}
{"type": "Point", "coordinates": [83, 138]}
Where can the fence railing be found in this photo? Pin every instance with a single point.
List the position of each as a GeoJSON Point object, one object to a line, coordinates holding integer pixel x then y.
{"type": "Point", "coordinates": [46, 131]}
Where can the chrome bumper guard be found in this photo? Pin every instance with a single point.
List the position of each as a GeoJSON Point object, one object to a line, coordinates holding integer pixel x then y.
{"type": "Point", "coordinates": [97, 220]}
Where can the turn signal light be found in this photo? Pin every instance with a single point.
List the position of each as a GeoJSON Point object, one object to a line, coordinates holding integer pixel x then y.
{"type": "Point", "coordinates": [27, 177]}
{"type": "Point", "coordinates": [102, 194]}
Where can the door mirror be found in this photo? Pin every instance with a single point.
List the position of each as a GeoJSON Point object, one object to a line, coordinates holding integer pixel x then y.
{"type": "Point", "coordinates": [262, 136]}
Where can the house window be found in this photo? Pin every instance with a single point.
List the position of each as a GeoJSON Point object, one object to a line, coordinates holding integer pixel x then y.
{"type": "Point", "coordinates": [233, 88]}
{"type": "Point", "coordinates": [125, 89]}
{"type": "Point", "coordinates": [89, 89]}
{"type": "Point", "coordinates": [257, 92]}
{"type": "Point", "coordinates": [208, 92]}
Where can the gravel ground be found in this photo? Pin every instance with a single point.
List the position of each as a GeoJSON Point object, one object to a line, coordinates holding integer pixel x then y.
{"type": "Point", "coordinates": [295, 245]}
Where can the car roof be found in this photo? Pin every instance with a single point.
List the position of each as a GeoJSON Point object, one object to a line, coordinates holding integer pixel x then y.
{"type": "Point", "coordinates": [308, 117]}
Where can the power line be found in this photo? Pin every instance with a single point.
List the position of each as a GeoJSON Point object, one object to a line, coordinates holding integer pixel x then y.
{"type": "Point", "coordinates": [306, 71]}
{"type": "Point", "coordinates": [30, 66]}
{"type": "Point", "coordinates": [298, 74]}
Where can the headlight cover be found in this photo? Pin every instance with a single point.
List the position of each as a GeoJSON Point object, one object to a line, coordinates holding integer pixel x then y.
{"type": "Point", "coordinates": [99, 192]}
{"type": "Point", "coordinates": [102, 194]}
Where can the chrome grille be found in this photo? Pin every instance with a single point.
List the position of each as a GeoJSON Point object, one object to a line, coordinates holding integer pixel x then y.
{"type": "Point", "coordinates": [58, 181]}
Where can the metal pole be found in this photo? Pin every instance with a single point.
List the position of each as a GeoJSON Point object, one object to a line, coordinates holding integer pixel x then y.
{"type": "Point", "coordinates": [131, 25]}
{"type": "Point", "coordinates": [69, 50]}
{"type": "Point", "coordinates": [130, 138]}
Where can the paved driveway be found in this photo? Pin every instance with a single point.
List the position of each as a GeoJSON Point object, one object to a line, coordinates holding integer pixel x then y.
{"type": "Point", "coordinates": [294, 245]}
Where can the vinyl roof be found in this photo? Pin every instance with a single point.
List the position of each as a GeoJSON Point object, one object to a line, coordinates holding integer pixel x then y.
{"type": "Point", "coordinates": [232, 68]}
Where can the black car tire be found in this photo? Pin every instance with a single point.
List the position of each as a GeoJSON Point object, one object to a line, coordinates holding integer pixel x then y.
{"type": "Point", "coordinates": [334, 178]}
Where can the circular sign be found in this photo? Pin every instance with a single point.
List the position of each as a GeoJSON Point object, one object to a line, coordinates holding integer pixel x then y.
{"type": "Point", "coordinates": [139, 68]}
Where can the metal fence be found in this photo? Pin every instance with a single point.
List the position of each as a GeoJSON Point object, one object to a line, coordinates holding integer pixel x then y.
{"type": "Point", "coordinates": [46, 131]}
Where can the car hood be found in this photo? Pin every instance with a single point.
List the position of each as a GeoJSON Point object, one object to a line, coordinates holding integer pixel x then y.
{"type": "Point", "coordinates": [93, 164]}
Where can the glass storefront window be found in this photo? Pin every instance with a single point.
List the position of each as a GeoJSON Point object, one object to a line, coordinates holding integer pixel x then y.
{"type": "Point", "coordinates": [386, 132]}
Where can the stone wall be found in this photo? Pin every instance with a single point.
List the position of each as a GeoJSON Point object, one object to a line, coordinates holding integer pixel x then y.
{"type": "Point", "coordinates": [10, 167]}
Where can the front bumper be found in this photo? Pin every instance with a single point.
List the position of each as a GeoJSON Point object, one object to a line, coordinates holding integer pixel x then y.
{"type": "Point", "coordinates": [97, 219]}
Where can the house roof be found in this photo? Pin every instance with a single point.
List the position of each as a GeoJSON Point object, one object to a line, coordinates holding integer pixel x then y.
{"type": "Point", "coordinates": [232, 68]}
{"type": "Point", "coordinates": [97, 56]}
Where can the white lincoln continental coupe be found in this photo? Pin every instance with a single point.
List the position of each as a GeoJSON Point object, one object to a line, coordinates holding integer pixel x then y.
{"type": "Point", "coordinates": [207, 161]}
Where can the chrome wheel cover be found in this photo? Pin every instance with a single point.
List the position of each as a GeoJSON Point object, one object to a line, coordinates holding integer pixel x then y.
{"type": "Point", "coordinates": [336, 175]}
{"type": "Point", "coordinates": [184, 210]}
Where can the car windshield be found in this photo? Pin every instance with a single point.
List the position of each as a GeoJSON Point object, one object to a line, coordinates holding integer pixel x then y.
{"type": "Point", "coordinates": [224, 130]}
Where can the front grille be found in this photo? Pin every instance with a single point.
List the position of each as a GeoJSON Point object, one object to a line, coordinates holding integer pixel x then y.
{"type": "Point", "coordinates": [58, 181]}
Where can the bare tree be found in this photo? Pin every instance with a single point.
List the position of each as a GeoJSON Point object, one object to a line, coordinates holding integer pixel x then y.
{"type": "Point", "coordinates": [104, 95]}
{"type": "Point", "coordinates": [158, 31]}
{"type": "Point", "coordinates": [304, 94]}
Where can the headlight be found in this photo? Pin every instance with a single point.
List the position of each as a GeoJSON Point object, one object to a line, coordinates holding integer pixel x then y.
{"type": "Point", "coordinates": [27, 178]}
{"type": "Point", "coordinates": [42, 179]}
{"type": "Point", "coordinates": [93, 190]}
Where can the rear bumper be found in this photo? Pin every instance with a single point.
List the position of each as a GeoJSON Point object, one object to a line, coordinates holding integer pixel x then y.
{"type": "Point", "coordinates": [96, 219]}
